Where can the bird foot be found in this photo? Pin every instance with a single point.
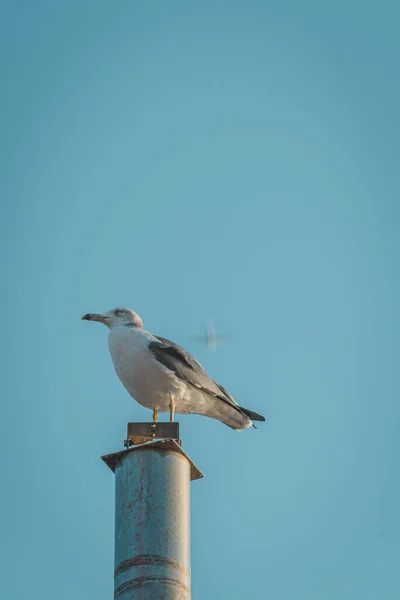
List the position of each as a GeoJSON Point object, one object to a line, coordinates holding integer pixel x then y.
{"type": "Point", "coordinates": [171, 409]}
{"type": "Point", "coordinates": [155, 415]}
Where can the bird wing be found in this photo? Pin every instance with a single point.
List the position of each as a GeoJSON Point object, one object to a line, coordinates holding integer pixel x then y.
{"type": "Point", "coordinates": [188, 369]}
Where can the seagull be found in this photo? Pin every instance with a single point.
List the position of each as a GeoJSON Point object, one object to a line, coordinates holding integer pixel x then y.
{"type": "Point", "coordinates": [164, 377]}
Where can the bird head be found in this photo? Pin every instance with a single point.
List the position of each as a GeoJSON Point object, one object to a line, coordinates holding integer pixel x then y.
{"type": "Point", "coordinates": [116, 316]}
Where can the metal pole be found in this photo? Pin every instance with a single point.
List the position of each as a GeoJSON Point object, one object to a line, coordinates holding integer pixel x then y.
{"type": "Point", "coordinates": [152, 522]}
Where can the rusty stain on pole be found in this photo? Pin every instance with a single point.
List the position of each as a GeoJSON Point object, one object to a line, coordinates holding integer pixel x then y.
{"type": "Point", "coordinates": [152, 521]}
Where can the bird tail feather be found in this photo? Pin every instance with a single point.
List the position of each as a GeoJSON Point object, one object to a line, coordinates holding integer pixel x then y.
{"type": "Point", "coordinates": [252, 415]}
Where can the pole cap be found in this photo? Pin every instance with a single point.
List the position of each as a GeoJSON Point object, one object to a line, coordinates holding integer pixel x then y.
{"type": "Point", "coordinates": [170, 445]}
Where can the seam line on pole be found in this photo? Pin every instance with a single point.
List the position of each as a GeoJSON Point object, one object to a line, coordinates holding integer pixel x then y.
{"type": "Point", "coordinates": [151, 559]}
{"type": "Point", "coordinates": [141, 581]}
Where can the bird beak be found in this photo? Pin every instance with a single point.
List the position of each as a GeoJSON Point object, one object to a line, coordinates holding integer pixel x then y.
{"type": "Point", "coordinates": [94, 317]}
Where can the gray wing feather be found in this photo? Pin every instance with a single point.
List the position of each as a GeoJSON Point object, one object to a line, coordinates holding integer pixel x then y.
{"type": "Point", "coordinates": [226, 393]}
{"type": "Point", "coordinates": [187, 368]}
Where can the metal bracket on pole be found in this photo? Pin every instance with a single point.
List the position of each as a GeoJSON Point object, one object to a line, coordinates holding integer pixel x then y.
{"type": "Point", "coordinates": [113, 459]}
{"type": "Point", "coordinates": [140, 433]}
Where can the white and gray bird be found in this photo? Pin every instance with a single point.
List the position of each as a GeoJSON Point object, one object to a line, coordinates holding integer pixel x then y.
{"type": "Point", "coordinates": [162, 376]}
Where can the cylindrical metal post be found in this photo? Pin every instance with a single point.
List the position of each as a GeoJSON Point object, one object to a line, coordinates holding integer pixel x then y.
{"type": "Point", "coordinates": [152, 525]}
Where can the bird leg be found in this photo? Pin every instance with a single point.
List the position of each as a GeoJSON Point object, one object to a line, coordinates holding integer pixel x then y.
{"type": "Point", "coordinates": [171, 409]}
{"type": "Point", "coordinates": [155, 415]}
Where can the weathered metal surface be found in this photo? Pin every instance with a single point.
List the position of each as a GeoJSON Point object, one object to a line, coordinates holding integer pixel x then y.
{"type": "Point", "coordinates": [112, 460]}
{"type": "Point", "coordinates": [152, 523]}
{"type": "Point", "coordinates": [139, 433]}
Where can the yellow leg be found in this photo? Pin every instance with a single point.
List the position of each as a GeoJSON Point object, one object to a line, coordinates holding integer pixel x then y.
{"type": "Point", "coordinates": [171, 409]}
{"type": "Point", "coordinates": [155, 415]}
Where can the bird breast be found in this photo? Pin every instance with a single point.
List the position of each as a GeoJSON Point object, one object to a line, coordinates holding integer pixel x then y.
{"type": "Point", "coordinates": [147, 380]}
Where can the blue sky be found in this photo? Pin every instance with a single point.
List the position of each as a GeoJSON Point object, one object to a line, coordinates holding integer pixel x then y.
{"type": "Point", "coordinates": [233, 161]}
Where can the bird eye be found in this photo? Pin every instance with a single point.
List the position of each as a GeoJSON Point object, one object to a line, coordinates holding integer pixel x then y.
{"type": "Point", "coordinates": [119, 312]}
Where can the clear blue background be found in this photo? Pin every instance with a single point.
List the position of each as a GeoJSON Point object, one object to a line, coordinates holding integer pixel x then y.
{"type": "Point", "coordinates": [224, 160]}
